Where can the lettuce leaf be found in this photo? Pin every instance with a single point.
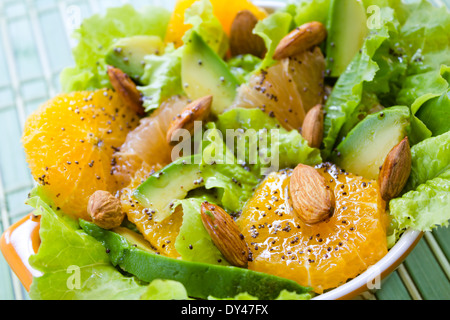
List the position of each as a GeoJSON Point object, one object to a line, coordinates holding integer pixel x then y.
{"type": "Point", "coordinates": [193, 242]}
{"type": "Point", "coordinates": [430, 158]}
{"type": "Point", "coordinates": [243, 66]}
{"type": "Point", "coordinates": [272, 29]}
{"type": "Point", "coordinates": [74, 266]}
{"type": "Point", "coordinates": [420, 48]}
{"type": "Point", "coordinates": [161, 79]}
{"type": "Point", "coordinates": [426, 199]}
{"type": "Point", "coordinates": [425, 207]}
{"type": "Point", "coordinates": [312, 10]}
{"type": "Point", "coordinates": [165, 290]}
{"type": "Point", "coordinates": [424, 35]}
{"type": "Point", "coordinates": [419, 88]}
{"type": "Point", "coordinates": [268, 147]}
{"type": "Point", "coordinates": [232, 182]}
{"type": "Point", "coordinates": [98, 33]}
{"type": "Point", "coordinates": [342, 105]}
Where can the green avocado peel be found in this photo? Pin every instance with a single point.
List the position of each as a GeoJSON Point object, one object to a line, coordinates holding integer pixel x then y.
{"type": "Point", "coordinates": [201, 280]}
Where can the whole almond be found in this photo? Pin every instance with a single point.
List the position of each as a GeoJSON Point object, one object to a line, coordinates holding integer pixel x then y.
{"type": "Point", "coordinates": [242, 38]}
{"type": "Point", "coordinates": [312, 199]}
{"type": "Point", "coordinates": [395, 170]}
{"type": "Point", "coordinates": [225, 234]}
{"type": "Point", "coordinates": [301, 39]}
{"type": "Point", "coordinates": [312, 130]}
{"type": "Point", "coordinates": [105, 210]}
{"type": "Point", "coordinates": [126, 89]}
{"type": "Point", "coordinates": [199, 110]}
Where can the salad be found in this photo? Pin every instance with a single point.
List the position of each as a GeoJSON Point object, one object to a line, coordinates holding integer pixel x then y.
{"type": "Point", "coordinates": [221, 151]}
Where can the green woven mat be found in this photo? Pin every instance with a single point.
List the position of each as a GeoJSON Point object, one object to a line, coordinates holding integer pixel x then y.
{"type": "Point", "coordinates": [35, 46]}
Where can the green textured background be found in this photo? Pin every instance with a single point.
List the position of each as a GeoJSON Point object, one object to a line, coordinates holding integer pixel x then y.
{"type": "Point", "coordinates": [35, 47]}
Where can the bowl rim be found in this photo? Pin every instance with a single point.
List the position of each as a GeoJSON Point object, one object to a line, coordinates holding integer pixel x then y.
{"type": "Point", "coordinates": [379, 271]}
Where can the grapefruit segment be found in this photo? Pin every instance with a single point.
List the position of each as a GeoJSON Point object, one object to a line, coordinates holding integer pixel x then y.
{"type": "Point", "coordinates": [288, 89]}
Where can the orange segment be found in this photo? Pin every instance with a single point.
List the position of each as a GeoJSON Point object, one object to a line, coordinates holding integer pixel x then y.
{"type": "Point", "coordinates": [324, 255]}
{"type": "Point", "coordinates": [69, 142]}
{"type": "Point", "coordinates": [225, 11]}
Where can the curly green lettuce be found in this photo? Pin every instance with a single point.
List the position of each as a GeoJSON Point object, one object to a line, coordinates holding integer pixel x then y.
{"type": "Point", "coordinates": [267, 145]}
{"type": "Point", "coordinates": [272, 29]}
{"type": "Point", "coordinates": [425, 203]}
{"type": "Point", "coordinates": [161, 79]}
{"type": "Point", "coordinates": [343, 105]}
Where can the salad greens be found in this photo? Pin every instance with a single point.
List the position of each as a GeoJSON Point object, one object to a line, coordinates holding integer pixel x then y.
{"type": "Point", "coordinates": [200, 16]}
{"type": "Point", "coordinates": [290, 147]}
{"type": "Point", "coordinates": [426, 199]}
{"type": "Point", "coordinates": [192, 233]}
{"type": "Point", "coordinates": [435, 113]}
{"type": "Point", "coordinates": [404, 61]}
{"type": "Point", "coordinates": [161, 79]}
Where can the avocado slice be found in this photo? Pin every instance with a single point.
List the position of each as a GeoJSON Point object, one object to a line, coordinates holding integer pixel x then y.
{"type": "Point", "coordinates": [200, 280]}
{"type": "Point", "coordinates": [128, 54]}
{"type": "Point", "coordinates": [204, 73]}
{"type": "Point", "coordinates": [160, 191]}
{"type": "Point", "coordinates": [135, 239]}
{"type": "Point", "coordinates": [365, 148]}
{"type": "Point", "coordinates": [347, 29]}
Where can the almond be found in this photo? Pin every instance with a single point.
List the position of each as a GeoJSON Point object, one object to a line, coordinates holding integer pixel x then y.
{"type": "Point", "coordinates": [105, 210]}
{"type": "Point", "coordinates": [199, 110]}
{"type": "Point", "coordinates": [301, 39]}
{"type": "Point", "coordinates": [242, 38]}
{"type": "Point", "coordinates": [225, 234]}
{"type": "Point", "coordinates": [126, 89]}
{"type": "Point", "coordinates": [312, 198]}
{"type": "Point", "coordinates": [395, 171]}
{"type": "Point", "coordinates": [312, 130]}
